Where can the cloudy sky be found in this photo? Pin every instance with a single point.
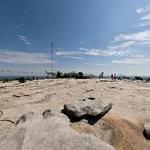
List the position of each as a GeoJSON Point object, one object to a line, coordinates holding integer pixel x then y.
{"type": "Point", "coordinates": [88, 35]}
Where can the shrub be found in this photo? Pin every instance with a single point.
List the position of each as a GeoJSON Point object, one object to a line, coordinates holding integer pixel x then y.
{"type": "Point", "coordinates": [138, 78]}
{"type": "Point", "coordinates": [28, 79]}
{"type": "Point", "coordinates": [22, 80]}
{"type": "Point", "coordinates": [5, 80]}
{"type": "Point", "coordinates": [148, 79]}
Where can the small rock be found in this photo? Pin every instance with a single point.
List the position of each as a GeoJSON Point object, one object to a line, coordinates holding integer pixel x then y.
{"type": "Point", "coordinates": [84, 121]}
{"type": "Point", "coordinates": [112, 87]}
{"type": "Point", "coordinates": [82, 99]}
{"type": "Point", "coordinates": [89, 90]}
{"type": "Point", "coordinates": [26, 94]}
{"type": "Point", "coordinates": [47, 113]}
{"type": "Point", "coordinates": [16, 95]}
{"type": "Point", "coordinates": [91, 98]}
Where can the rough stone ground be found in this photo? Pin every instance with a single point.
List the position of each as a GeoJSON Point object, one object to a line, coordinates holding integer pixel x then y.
{"type": "Point", "coordinates": [122, 126]}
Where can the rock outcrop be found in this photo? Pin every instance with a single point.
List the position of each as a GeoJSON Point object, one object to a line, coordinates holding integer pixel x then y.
{"type": "Point", "coordinates": [52, 133]}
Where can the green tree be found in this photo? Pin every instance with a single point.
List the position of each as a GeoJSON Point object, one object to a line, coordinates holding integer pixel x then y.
{"type": "Point", "coordinates": [80, 75]}
{"type": "Point", "coordinates": [58, 75]}
{"type": "Point", "coordinates": [65, 75]}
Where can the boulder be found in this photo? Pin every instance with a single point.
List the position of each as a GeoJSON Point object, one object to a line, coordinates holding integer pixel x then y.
{"type": "Point", "coordinates": [53, 133]}
{"type": "Point", "coordinates": [86, 109]}
{"type": "Point", "coordinates": [91, 98]}
{"type": "Point", "coordinates": [16, 95]}
{"type": "Point", "coordinates": [147, 130]}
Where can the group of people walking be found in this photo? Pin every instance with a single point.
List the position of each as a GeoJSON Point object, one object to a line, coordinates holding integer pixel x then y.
{"type": "Point", "coordinates": [113, 76]}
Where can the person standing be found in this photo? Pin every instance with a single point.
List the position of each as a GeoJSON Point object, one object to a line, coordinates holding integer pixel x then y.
{"type": "Point", "coordinates": [112, 76]}
{"type": "Point", "coordinates": [115, 77]}
{"type": "Point", "coordinates": [102, 75]}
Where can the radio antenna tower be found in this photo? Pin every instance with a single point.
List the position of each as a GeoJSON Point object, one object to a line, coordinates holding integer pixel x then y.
{"type": "Point", "coordinates": [52, 57]}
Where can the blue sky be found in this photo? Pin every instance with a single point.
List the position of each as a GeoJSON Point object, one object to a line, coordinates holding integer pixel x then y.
{"type": "Point", "coordinates": [90, 36]}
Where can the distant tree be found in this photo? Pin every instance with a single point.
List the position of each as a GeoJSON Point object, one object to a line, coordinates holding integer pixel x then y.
{"type": "Point", "coordinates": [128, 78]}
{"type": "Point", "coordinates": [71, 74]}
{"type": "Point", "coordinates": [22, 79]}
{"type": "Point", "coordinates": [76, 76]}
{"type": "Point", "coordinates": [148, 79]}
{"type": "Point", "coordinates": [58, 75]}
{"type": "Point", "coordinates": [80, 75]}
{"type": "Point", "coordinates": [28, 79]}
{"type": "Point", "coordinates": [65, 75]}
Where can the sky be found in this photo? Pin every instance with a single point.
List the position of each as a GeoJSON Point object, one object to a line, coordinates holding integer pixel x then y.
{"type": "Point", "coordinates": [110, 36]}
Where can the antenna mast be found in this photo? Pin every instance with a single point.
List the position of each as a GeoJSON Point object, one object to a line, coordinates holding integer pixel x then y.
{"type": "Point", "coordinates": [52, 58]}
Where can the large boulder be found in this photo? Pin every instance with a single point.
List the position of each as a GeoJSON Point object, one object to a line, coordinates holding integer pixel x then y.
{"type": "Point", "coordinates": [52, 133]}
{"type": "Point", "coordinates": [147, 130]}
{"type": "Point", "coordinates": [86, 108]}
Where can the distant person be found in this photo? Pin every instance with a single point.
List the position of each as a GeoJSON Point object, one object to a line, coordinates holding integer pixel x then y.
{"type": "Point", "coordinates": [115, 77]}
{"type": "Point", "coordinates": [101, 76]}
{"type": "Point", "coordinates": [112, 76]}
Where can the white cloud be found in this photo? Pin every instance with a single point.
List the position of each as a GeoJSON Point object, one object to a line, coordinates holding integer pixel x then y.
{"type": "Point", "coordinates": [143, 24]}
{"type": "Point", "coordinates": [17, 27]}
{"type": "Point", "coordinates": [129, 40]}
{"type": "Point", "coordinates": [17, 57]}
{"type": "Point", "coordinates": [74, 57]}
{"type": "Point", "coordinates": [144, 13]}
{"type": "Point", "coordinates": [124, 45]}
{"type": "Point", "coordinates": [146, 17]}
{"type": "Point", "coordinates": [93, 52]}
{"type": "Point", "coordinates": [67, 53]}
{"type": "Point", "coordinates": [24, 39]}
{"type": "Point", "coordinates": [132, 61]}
{"type": "Point", "coordinates": [134, 38]}
{"type": "Point", "coordinates": [98, 64]}
{"type": "Point", "coordinates": [143, 10]}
